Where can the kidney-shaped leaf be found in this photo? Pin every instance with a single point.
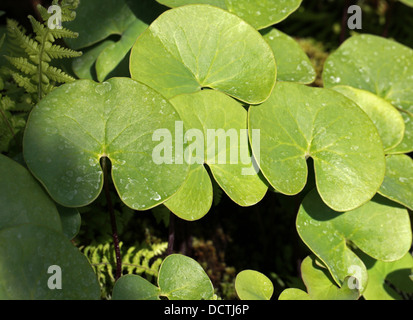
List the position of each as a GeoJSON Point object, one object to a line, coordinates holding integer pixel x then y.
{"type": "Point", "coordinates": [263, 13]}
{"type": "Point", "coordinates": [398, 181]}
{"type": "Point", "coordinates": [35, 259]}
{"type": "Point", "coordinates": [387, 119]}
{"type": "Point", "coordinates": [179, 278]}
{"type": "Point", "coordinates": [79, 123]}
{"type": "Point", "coordinates": [253, 285]}
{"type": "Point", "coordinates": [134, 287]}
{"type": "Point", "coordinates": [71, 221]}
{"type": "Point", "coordinates": [217, 136]}
{"type": "Point", "coordinates": [23, 200]}
{"type": "Point", "coordinates": [381, 66]}
{"type": "Point", "coordinates": [385, 276]}
{"type": "Point", "coordinates": [297, 122]}
{"type": "Point", "coordinates": [197, 46]}
{"type": "Point", "coordinates": [380, 228]}
{"type": "Point", "coordinates": [260, 14]}
{"type": "Point", "coordinates": [320, 285]}
{"type": "Point", "coordinates": [182, 278]}
{"type": "Point", "coordinates": [124, 18]}
{"type": "Point", "coordinates": [293, 63]}
{"type": "Point", "coordinates": [178, 3]}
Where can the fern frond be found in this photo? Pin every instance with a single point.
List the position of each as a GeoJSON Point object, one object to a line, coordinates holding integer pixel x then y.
{"type": "Point", "coordinates": [23, 81]}
{"type": "Point", "coordinates": [47, 88]}
{"type": "Point", "coordinates": [68, 7]}
{"type": "Point", "coordinates": [43, 34]}
{"type": "Point", "coordinates": [67, 10]}
{"type": "Point", "coordinates": [30, 46]}
{"type": "Point", "coordinates": [2, 40]}
{"type": "Point", "coordinates": [135, 260]}
{"type": "Point", "coordinates": [40, 51]}
{"type": "Point", "coordinates": [57, 52]}
{"type": "Point", "coordinates": [63, 33]}
{"type": "Point", "coordinates": [6, 103]}
{"type": "Point", "coordinates": [22, 64]}
{"type": "Point", "coordinates": [56, 74]}
{"type": "Point", "coordinates": [43, 12]}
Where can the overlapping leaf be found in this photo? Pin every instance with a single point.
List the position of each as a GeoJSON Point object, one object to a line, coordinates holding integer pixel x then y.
{"type": "Point", "coordinates": [260, 14]}
{"type": "Point", "coordinates": [298, 122]}
{"type": "Point", "coordinates": [197, 46]}
{"type": "Point", "coordinates": [124, 18]}
{"type": "Point", "coordinates": [180, 278]}
{"type": "Point", "coordinates": [178, 3]}
{"type": "Point", "coordinates": [71, 221]}
{"type": "Point", "coordinates": [134, 287]}
{"type": "Point", "coordinates": [381, 66]}
{"type": "Point", "coordinates": [320, 285]}
{"type": "Point", "coordinates": [22, 199]}
{"type": "Point", "coordinates": [398, 181]}
{"type": "Point", "coordinates": [253, 285]}
{"type": "Point", "coordinates": [292, 62]}
{"type": "Point", "coordinates": [379, 228]}
{"type": "Point", "coordinates": [217, 131]}
{"type": "Point", "coordinates": [264, 13]}
{"type": "Point", "coordinates": [387, 119]}
{"type": "Point", "coordinates": [32, 240]}
{"type": "Point", "coordinates": [77, 124]}
{"type": "Point", "coordinates": [385, 276]}
{"type": "Point", "coordinates": [27, 251]}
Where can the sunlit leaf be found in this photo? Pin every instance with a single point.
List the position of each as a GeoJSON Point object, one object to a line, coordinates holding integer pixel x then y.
{"type": "Point", "coordinates": [198, 46]}
{"type": "Point", "coordinates": [79, 123]}
{"type": "Point", "coordinates": [380, 228]}
{"type": "Point", "coordinates": [381, 66]}
{"type": "Point", "coordinates": [298, 122]}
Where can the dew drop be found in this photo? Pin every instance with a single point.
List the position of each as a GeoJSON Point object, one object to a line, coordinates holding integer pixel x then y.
{"type": "Point", "coordinates": [103, 88]}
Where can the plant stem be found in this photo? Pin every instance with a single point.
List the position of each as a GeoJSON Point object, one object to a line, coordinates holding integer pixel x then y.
{"type": "Point", "coordinates": [171, 236]}
{"type": "Point", "coordinates": [112, 219]}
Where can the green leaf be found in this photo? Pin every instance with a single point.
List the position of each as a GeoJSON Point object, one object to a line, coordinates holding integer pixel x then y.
{"type": "Point", "coordinates": [294, 294]}
{"type": "Point", "coordinates": [113, 18]}
{"type": "Point", "coordinates": [253, 285]}
{"type": "Point", "coordinates": [83, 66]}
{"type": "Point", "coordinates": [380, 228]}
{"type": "Point", "coordinates": [200, 46]}
{"type": "Point", "coordinates": [260, 14]}
{"type": "Point", "coordinates": [408, 2]}
{"type": "Point", "coordinates": [71, 221]}
{"type": "Point", "coordinates": [22, 199]}
{"type": "Point", "coordinates": [124, 18]}
{"type": "Point", "coordinates": [320, 285]}
{"type": "Point", "coordinates": [264, 13]}
{"type": "Point", "coordinates": [77, 124]}
{"type": "Point", "coordinates": [182, 278]}
{"type": "Point", "coordinates": [381, 66]}
{"type": "Point", "coordinates": [292, 62]}
{"type": "Point", "coordinates": [387, 119]}
{"type": "Point", "coordinates": [297, 122]}
{"type": "Point", "coordinates": [385, 275]}
{"type": "Point", "coordinates": [194, 199]}
{"type": "Point", "coordinates": [178, 3]}
{"type": "Point", "coordinates": [113, 54]}
{"type": "Point", "coordinates": [134, 287]}
{"type": "Point", "coordinates": [218, 125]}
{"type": "Point", "coordinates": [398, 181]}
{"type": "Point", "coordinates": [28, 251]}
